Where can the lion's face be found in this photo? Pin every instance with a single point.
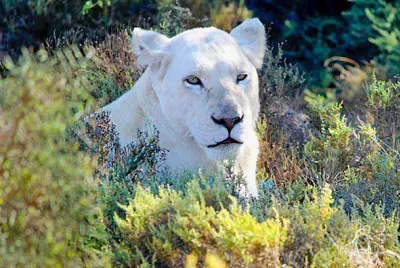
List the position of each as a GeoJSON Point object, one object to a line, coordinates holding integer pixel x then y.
{"type": "Point", "coordinates": [210, 91]}
{"type": "Point", "coordinates": [207, 86]}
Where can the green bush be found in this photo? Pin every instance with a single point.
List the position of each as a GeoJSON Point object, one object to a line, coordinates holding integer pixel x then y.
{"type": "Point", "coordinates": [377, 22]}
{"type": "Point", "coordinates": [375, 176]}
{"type": "Point", "coordinates": [321, 38]}
{"type": "Point", "coordinates": [383, 97]}
{"type": "Point", "coordinates": [157, 224]}
{"type": "Point", "coordinates": [329, 152]}
{"type": "Point", "coordinates": [322, 235]}
{"type": "Point", "coordinates": [44, 199]}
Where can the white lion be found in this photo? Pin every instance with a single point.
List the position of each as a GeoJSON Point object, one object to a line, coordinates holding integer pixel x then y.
{"type": "Point", "coordinates": [200, 90]}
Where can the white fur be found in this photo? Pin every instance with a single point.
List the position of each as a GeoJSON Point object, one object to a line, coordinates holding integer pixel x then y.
{"type": "Point", "coordinates": [182, 112]}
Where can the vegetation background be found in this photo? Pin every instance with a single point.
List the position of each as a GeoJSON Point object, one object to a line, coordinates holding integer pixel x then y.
{"type": "Point", "coordinates": [329, 168]}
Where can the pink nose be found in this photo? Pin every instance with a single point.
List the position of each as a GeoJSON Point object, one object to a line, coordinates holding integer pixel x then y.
{"type": "Point", "coordinates": [229, 123]}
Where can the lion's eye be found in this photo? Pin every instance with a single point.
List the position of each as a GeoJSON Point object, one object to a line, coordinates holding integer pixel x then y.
{"type": "Point", "coordinates": [193, 80]}
{"type": "Point", "coordinates": [241, 77]}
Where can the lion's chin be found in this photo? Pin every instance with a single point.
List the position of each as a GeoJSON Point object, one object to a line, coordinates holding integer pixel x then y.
{"type": "Point", "coordinates": [223, 151]}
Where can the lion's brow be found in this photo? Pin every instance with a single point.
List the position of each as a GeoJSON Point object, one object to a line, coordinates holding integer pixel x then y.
{"type": "Point", "coordinates": [202, 66]}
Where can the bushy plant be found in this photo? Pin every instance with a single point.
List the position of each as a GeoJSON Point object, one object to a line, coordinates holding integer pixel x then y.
{"type": "Point", "coordinates": [281, 89]}
{"type": "Point", "coordinates": [227, 16]}
{"type": "Point", "coordinates": [115, 70]}
{"type": "Point", "coordinates": [117, 172]}
{"type": "Point", "coordinates": [321, 232]}
{"type": "Point", "coordinates": [222, 14]}
{"type": "Point", "coordinates": [383, 97]}
{"type": "Point", "coordinates": [377, 22]}
{"type": "Point", "coordinates": [44, 201]}
{"type": "Point", "coordinates": [282, 125]}
{"type": "Point", "coordinates": [176, 19]}
{"type": "Point", "coordinates": [331, 150]}
{"type": "Point", "coordinates": [157, 224]}
{"type": "Point", "coordinates": [321, 38]}
{"type": "Point", "coordinates": [375, 178]}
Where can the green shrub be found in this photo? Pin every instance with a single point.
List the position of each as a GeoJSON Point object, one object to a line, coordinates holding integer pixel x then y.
{"type": "Point", "coordinates": [222, 14]}
{"type": "Point", "coordinates": [322, 234]}
{"type": "Point", "coordinates": [310, 42]}
{"type": "Point", "coordinates": [375, 177]}
{"type": "Point", "coordinates": [170, 226]}
{"type": "Point", "coordinates": [44, 200]}
{"type": "Point", "coordinates": [383, 97]}
{"type": "Point", "coordinates": [377, 22]}
{"type": "Point", "coordinates": [331, 150]}
{"type": "Point", "coordinates": [115, 71]}
{"type": "Point", "coordinates": [283, 126]}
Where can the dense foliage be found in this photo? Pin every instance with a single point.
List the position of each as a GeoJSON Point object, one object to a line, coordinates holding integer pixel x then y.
{"type": "Point", "coordinates": [44, 199]}
{"type": "Point", "coordinates": [329, 169]}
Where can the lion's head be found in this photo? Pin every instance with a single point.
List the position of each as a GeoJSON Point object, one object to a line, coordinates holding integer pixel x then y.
{"type": "Point", "coordinates": [206, 82]}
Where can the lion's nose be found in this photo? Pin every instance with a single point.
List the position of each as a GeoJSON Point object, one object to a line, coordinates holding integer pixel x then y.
{"type": "Point", "coordinates": [229, 123]}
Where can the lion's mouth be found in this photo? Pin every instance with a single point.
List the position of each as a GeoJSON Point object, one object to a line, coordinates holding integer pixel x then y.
{"type": "Point", "coordinates": [228, 140]}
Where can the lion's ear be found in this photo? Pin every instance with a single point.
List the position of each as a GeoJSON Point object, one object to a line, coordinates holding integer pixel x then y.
{"type": "Point", "coordinates": [250, 35]}
{"type": "Point", "coordinates": [148, 46]}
